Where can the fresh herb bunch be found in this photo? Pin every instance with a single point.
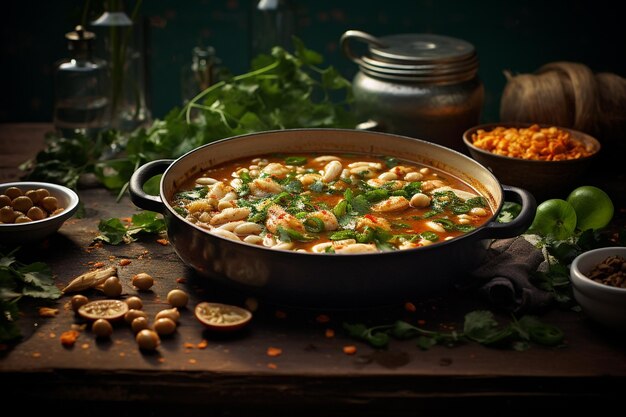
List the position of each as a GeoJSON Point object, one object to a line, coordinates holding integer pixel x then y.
{"type": "Point", "coordinates": [282, 91]}
{"type": "Point", "coordinates": [480, 326]}
{"type": "Point", "coordinates": [19, 280]}
{"type": "Point", "coordinates": [114, 231]}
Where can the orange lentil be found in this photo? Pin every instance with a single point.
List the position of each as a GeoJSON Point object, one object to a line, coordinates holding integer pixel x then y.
{"type": "Point", "coordinates": [410, 307]}
{"type": "Point", "coordinates": [48, 312]}
{"type": "Point", "coordinates": [192, 361]}
{"type": "Point", "coordinates": [272, 365]}
{"type": "Point", "coordinates": [349, 349]}
{"type": "Point", "coordinates": [322, 318]}
{"type": "Point", "coordinates": [189, 345]}
{"type": "Point", "coordinates": [203, 344]}
{"type": "Point", "coordinates": [36, 355]}
{"type": "Point", "coordinates": [68, 338]}
{"type": "Point", "coordinates": [274, 351]}
{"type": "Point", "coordinates": [124, 262]}
{"type": "Point", "coordinates": [98, 265]}
{"type": "Point", "coordinates": [329, 333]}
{"type": "Point", "coordinates": [163, 242]}
{"type": "Point", "coordinates": [534, 143]}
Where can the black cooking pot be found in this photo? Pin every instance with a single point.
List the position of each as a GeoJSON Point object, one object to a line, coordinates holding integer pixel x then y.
{"type": "Point", "coordinates": [330, 280]}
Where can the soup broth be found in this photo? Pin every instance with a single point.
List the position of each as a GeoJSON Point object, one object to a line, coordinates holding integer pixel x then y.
{"type": "Point", "coordinates": [331, 203]}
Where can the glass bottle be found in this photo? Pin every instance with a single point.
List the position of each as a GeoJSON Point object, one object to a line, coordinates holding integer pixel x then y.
{"type": "Point", "coordinates": [201, 73]}
{"type": "Point", "coordinates": [273, 24]}
{"type": "Point", "coordinates": [80, 88]}
{"type": "Point", "coordinates": [122, 44]}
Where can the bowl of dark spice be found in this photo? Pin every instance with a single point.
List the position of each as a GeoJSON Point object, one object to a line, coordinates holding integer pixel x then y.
{"type": "Point", "coordinates": [599, 283]}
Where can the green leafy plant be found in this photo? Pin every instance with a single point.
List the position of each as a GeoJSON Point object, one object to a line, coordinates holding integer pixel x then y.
{"type": "Point", "coordinates": [18, 280]}
{"type": "Point", "coordinates": [479, 326]}
{"type": "Point", "coordinates": [114, 231]}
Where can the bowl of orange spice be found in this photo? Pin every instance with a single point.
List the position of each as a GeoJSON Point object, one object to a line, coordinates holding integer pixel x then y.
{"type": "Point", "coordinates": [548, 161]}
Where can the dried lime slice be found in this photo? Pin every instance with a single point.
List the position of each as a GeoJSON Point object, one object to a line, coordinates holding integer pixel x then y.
{"type": "Point", "coordinates": [222, 317]}
{"type": "Point", "coordinates": [103, 309]}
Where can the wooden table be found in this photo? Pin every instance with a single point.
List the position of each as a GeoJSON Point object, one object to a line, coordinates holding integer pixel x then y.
{"type": "Point", "coordinates": [312, 376]}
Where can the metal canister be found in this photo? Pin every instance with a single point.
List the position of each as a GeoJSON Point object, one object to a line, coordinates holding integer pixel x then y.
{"type": "Point", "coordinates": [420, 85]}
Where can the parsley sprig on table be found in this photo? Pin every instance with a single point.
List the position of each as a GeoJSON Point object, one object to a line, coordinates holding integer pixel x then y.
{"type": "Point", "coordinates": [114, 231]}
{"type": "Point", "coordinates": [479, 326]}
{"type": "Point", "coordinates": [18, 280]}
{"type": "Point", "coordinates": [282, 90]}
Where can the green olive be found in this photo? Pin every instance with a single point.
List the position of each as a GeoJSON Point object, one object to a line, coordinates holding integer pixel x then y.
{"type": "Point", "coordinates": [165, 326]}
{"type": "Point", "coordinates": [23, 219]}
{"type": "Point", "coordinates": [7, 214]}
{"type": "Point", "coordinates": [134, 303]}
{"type": "Point", "coordinates": [13, 192]}
{"type": "Point", "coordinates": [78, 300]}
{"type": "Point", "coordinates": [112, 287]}
{"type": "Point", "coordinates": [177, 298]}
{"type": "Point", "coordinates": [148, 339]}
{"type": "Point", "coordinates": [132, 314]}
{"type": "Point", "coordinates": [143, 281]}
{"type": "Point", "coordinates": [170, 313]}
{"type": "Point", "coordinates": [36, 213]}
{"type": "Point", "coordinates": [139, 324]}
{"type": "Point", "coordinates": [22, 203]}
{"type": "Point", "coordinates": [33, 195]}
{"type": "Point", "coordinates": [102, 328]}
{"type": "Point", "coordinates": [4, 200]}
{"type": "Point", "coordinates": [50, 203]}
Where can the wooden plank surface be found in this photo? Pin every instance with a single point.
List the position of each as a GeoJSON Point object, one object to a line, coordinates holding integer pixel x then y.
{"type": "Point", "coordinates": [235, 374]}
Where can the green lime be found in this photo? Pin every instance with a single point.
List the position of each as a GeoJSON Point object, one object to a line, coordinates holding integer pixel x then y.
{"type": "Point", "coordinates": [594, 208]}
{"type": "Point", "coordinates": [556, 218]}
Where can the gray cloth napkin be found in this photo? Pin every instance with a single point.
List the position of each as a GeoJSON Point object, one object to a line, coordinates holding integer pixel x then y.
{"type": "Point", "coordinates": [506, 276]}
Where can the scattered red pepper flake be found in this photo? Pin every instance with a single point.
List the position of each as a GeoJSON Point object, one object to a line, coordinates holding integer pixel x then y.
{"type": "Point", "coordinates": [98, 265]}
{"type": "Point", "coordinates": [181, 280]}
{"type": "Point", "coordinates": [322, 318]}
{"type": "Point", "coordinates": [280, 314]}
{"type": "Point", "coordinates": [410, 307]}
{"type": "Point", "coordinates": [68, 338]}
{"type": "Point", "coordinates": [202, 344]}
{"type": "Point", "coordinates": [274, 351]}
{"type": "Point", "coordinates": [48, 312]}
{"type": "Point", "coordinates": [349, 349]}
{"type": "Point", "coordinates": [125, 261]}
{"type": "Point", "coordinates": [272, 365]}
{"type": "Point", "coordinates": [329, 333]}
{"type": "Point", "coordinates": [126, 219]}
{"type": "Point", "coordinates": [163, 242]}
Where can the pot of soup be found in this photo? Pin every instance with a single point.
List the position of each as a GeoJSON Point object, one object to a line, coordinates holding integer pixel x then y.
{"type": "Point", "coordinates": [330, 217]}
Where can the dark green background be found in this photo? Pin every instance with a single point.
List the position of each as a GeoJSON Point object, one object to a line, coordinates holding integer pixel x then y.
{"type": "Point", "coordinates": [515, 35]}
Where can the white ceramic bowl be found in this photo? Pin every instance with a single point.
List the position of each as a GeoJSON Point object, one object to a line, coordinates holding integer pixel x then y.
{"type": "Point", "coordinates": [39, 229]}
{"type": "Point", "coordinates": [603, 303]}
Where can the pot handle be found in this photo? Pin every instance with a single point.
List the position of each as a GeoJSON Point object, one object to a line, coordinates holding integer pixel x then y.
{"type": "Point", "coordinates": [361, 36]}
{"type": "Point", "coordinates": [521, 223]}
{"type": "Point", "coordinates": [137, 195]}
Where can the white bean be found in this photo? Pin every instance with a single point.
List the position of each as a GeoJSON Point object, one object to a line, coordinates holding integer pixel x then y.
{"type": "Point", "coordinates": [413, 176]}
{"type": "Point", "coordinates": [478, 211]}
{"type": "Point", "coordinates": [253, 239]}
{"type": "Point", "coordinates": [393, 203]}
{"type": "Point", "coordinates": [248, 228]}
{"type": "Point", "coordinates": [388, 176]}
{"type": "Point", "coordinates": [332, 170]}
{"type": "Point", "coordinates": [327, 158]}
{"type": "Point", "coordinates": [225, 233]}
{"type": "Point", "coordinates": [230, 226]}
{"type": "Point", "coordinates": [283, 246]}
{"type": "Point", "coordinates": [230, 214]}
{"type": "Point", "coordinates": [425, 171]}
{"type": "Point", "coordinates": [420, 200]}
{"type": "Point", "coordinates": [206, 181]}
{"type": "Point", "coordinates": [435, 227]}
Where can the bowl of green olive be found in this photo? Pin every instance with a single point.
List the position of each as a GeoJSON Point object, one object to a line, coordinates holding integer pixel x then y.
{"type": "Point", "coordinates": [31, 211]}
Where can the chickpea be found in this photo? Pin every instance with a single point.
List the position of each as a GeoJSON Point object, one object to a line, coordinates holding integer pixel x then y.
{"type": "Point", "coordinates": [7, 214]}
{"type": "Point", "coordinates": [171, 313]}
{"type": "Point", "coordinates": [13, 192]}
{"type": "Point", "coordinates": [132, 314]}
{"type": "Point", "coordinates": [143, 281]}
{"type": "Point", "coordinates": [4, 200]}
{"type": "Point", "coordinates": [177, 298]}
{"type": "Point", "coordinates": [102, 328]}
{"type": "Point", "coordinates": [33, 195]}
{"type": "Point", "coordinates": [148, 339]}
{"type": "Point", "coordinates": [134, 303]}
{"type": "Point", "coordinates": [22, 203]}
{"type": "Point", "coordinates": [164, 326]}
{"type": "Point", "coordinates": [57, 211]}
{"type": "Point", "coordinates": [112, 287]}
{"type": "Point", "coordinates": [23, 219]}
{"type": "Point", "coordinates": [42, 193]}
{"type": "Point", "coordinates": [139, 324]}
{"type": "Point", "coordinates": [36, 213]}
{"type": "Point", "coordinates": [49, 204]}
{"type": "Point", "coordinates": [78, 300]}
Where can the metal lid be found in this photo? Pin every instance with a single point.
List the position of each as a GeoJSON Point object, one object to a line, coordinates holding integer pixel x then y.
{"type": "Point", "coordinates": [80, 39]}
{"type": "Point", "coordinates": [419, 49]}
{"type": "Point", "coordinates": [414, 57]}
